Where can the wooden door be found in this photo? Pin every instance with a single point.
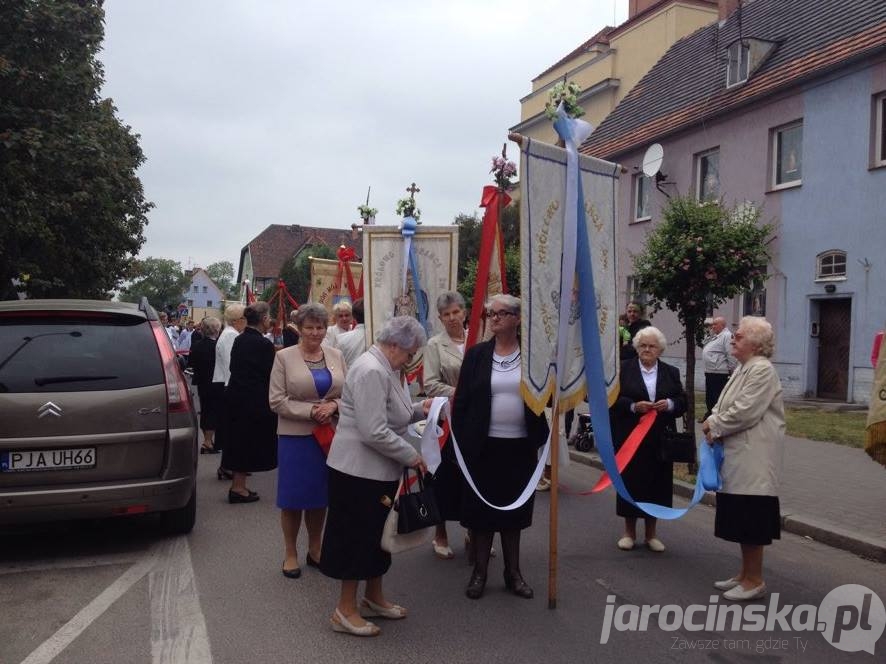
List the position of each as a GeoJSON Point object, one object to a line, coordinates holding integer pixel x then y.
{"type": "Point", "coordinates": [835, 328]}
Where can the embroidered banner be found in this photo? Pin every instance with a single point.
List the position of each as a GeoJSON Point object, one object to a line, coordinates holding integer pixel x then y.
{"type": "Point", "coordinates": [324, 289]}
{"type": "Point", "coordinates": [543, 177]}
{"type": "Point", "coordinates": [436, 253]}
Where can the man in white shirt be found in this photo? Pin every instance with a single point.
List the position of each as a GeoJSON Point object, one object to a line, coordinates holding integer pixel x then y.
{"type": "Point", "coordinates": [183, 343]}
{"type": "Point", "coordinates": [352, 344]}
{"type": "Point", "coordinates": [343, 316]}
{"type": "Point", "coordinates": [718, 361]}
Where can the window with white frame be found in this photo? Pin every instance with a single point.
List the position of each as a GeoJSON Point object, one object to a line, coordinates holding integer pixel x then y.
{"type": "Point", "coordinates": [787, 155]}
{"type": "Point", "coordinates": [738, 58]}
{"type": "Point", "coordinates": [642, 190]}
{"type": "Point", "coordinates": [205, 289]}
{"type": "Point", "coordinates": [754, 303]}
{"type": "Point", "coordinates": [830, 266]}
{"type": "Point", "coordinates": [196, 288]}
{"type": "Point", "coordinates": [635, 292]}
{"type": "Point", "coordinates": [880, 130]}
{"type": "Point", "coordinates": [707, 175]}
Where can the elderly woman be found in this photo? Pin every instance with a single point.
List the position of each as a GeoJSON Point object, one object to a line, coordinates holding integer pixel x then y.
{"type": "Point", "coordinates": [749, 419]}
{"type": "Point", "coordinates": [252, 425]}
{"type": "Point", "coordinates": [442, 363]}
{"type": "Point", "coordinates": [499, 436]}
{"type": "Point", "coordinates": [306, 383]}
{"type": "Point", "coordinates": [646, 383]}
{"type": "Point", "coordinates": [367, 458]}
{"type": "Point", "coordinates": [343, 317]}
{"type": "Point", "coordinates": [202, 361]}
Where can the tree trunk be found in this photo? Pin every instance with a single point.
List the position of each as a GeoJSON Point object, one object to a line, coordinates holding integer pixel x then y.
{"type": "Point", "coordinates": [689, 417]}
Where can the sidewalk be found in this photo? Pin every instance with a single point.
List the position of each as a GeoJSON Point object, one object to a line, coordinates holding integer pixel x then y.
{"type": "Point", "coordinates": [831, 493]}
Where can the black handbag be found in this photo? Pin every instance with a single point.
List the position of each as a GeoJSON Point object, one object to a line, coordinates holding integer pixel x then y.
{"type": "Point", "coordinates": [676, 447]}
{"type": "Point", "coordinates": [416, 509]}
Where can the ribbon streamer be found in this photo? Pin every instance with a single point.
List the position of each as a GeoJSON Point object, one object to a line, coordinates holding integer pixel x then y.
{"type": "Point", "coordinates": [627, 450]}
{"type": "Point", "coordinates": [410, 263]}
{"type": "Point", "coordinates": [346, 255]}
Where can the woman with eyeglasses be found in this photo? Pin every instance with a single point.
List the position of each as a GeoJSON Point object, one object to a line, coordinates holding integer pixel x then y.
{"type": "Point", "coordinates": [499, 437]}
{"type": "Point", "coordinates": [646, 383]}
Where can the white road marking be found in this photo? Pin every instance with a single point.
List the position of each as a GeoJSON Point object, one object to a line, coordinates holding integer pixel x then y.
{"type": "Point", "coordinates": [49, 565]}
{"type": "Point", "coordinates": [178, 629]}
{"type": "Point", "coordinates": [49, 649]}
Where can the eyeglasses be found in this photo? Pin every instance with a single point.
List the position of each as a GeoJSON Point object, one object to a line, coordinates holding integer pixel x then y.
{"type": "Point", "coordinates": [500, 314]}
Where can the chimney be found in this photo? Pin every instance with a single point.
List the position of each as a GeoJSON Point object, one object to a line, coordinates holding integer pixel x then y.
{"type": "Point", "coordinates": [726, 7]}
{"type": "Point", "coordinates": [637, 6]}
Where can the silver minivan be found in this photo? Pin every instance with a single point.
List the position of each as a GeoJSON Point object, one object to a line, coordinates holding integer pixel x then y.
{"type": "Point", "coordinates": [96, 417]}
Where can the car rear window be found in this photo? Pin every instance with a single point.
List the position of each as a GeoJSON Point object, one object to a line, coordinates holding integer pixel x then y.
{"type": "Point", "coordinates": [76, 352]}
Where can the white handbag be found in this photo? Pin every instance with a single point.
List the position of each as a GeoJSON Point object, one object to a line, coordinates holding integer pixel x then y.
{"type": "Point", "coordinates": [394, 542]}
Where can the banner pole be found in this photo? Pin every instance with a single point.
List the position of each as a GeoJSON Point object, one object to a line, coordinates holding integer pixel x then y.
{"type": "Point", "coordinates": [552, 534]}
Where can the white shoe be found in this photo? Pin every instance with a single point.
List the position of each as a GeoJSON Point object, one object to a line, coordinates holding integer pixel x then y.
{"type": "Point", "coordinates": [370, 608]}
{"type": "Point", "coordinates": [544, 484]}
{"type": "Point", "coordinates": [739, 594]}
{"type": "Point", "coordinates": [341, 624]}
{"type": "Point", "coordinates": [626, 543]}
{"type": "Point", "coordinates": [655, 545]}
{"type": "Point", "coordinates": [726, 584]}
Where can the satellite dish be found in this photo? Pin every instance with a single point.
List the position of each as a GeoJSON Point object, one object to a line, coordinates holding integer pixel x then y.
{"type": "Point", "coordinates": [652, 159]}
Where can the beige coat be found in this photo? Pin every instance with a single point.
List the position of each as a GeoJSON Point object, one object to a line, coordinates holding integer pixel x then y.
{"type": "Point", "coordinates": [292, 393]}
{"type": "Point", "coordinates": [749, 419]}
{"type": "Point", "coordinates": [442, 363]}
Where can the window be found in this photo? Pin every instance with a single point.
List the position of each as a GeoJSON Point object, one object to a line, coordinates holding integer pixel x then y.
{"type": "Point", "coordinates": [738, 58]}
{"type": "Point", "coordinates": [209, 303]}
{"type": "Point", "coordinates": [635, 293]}
{"type": "Point", "coordinates": [755, 298]}
{"type": "Point", "coordinates": [205, 289]}
{"type": "Point", "coordinates": [190, 303]}
{"type": "Point", "coordinates": [787, 156]}
{"type": "Point", "coordinates": [642, 188]}
{"type": "Point", "coordinates": [831, 266]}
{"type": "Point", "coordinates": [196, 288]}
{"type": "Point", "coordinates": [707, 178]}
{"type": "Point", "coordinates": [880, 130]}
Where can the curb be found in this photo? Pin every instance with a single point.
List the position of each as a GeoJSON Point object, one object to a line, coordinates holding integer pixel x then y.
{"type": "Point", "coordinates": [873, 548]}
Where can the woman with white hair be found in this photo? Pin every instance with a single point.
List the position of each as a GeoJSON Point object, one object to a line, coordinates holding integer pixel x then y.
{"type": "Point", "coordinates": [646, 383]}
{"type": "Point", "coordinates": [343, 321]}
{"type": "Point", "coordinates": [749, 420]}
{"type": "Point", "coordinates": [366, 460]}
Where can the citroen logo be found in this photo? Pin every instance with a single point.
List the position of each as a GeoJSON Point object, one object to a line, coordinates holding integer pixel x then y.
{"type": "Point", "coordinates": [49, 408]}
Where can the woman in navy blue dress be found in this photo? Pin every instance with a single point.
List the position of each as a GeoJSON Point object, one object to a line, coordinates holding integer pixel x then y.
{"type": "Point", "coordinates": [305, 391]}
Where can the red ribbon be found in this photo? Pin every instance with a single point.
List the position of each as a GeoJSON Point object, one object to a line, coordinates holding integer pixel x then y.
{"type": "Point", "coordinates": [346, 255]}
{"type": "Point", "coordinates": [493, 199]}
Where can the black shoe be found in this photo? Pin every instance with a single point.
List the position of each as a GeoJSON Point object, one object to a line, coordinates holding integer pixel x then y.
{"type": "Point", "coordinates": [476, 585]}
{"type": "Point", "coordinates": [290, 573]}
{"type": "Point", "coordinates": [223, 474]}
{"type": "Point", "coordinates": [311, 562]}
{"type": "Point", "coordinates": [515, 583]}
{"type": "Point", "coordinates": [234, 497]}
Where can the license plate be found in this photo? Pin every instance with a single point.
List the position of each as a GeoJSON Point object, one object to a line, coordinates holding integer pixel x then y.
{"type": "Point", "coordinates": [34, 460]}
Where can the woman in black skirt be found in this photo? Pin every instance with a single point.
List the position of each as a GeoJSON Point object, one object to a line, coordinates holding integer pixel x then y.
{"type": "Point", "coordinates": [749, 420]}
{"type": "Point", "coordinates": [365, 462]}
{"type": "Point", "coordinates": [499, 437]}
{"type": "Point", "coordinates": [202, 362]}
{"type": "Point", "coordinates": [646, 383]}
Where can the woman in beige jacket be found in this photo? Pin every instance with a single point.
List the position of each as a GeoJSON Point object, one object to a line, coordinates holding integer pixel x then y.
{"type": "Point", "coordinates": [305, 392]}
{"type": "Point", "coordinates": [749, 420]}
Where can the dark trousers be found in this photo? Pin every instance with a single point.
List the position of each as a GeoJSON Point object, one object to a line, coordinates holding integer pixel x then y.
{"type": "Point", "coordinates": [713, 386]}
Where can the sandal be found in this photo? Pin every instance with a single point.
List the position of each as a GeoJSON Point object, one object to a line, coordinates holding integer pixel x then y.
{"type": "Point", "coordinates": [395, 612]}
{"type": "Point", "coordinates": [442, 552]}
{"type": "Point", "coordinates": [341, 624]}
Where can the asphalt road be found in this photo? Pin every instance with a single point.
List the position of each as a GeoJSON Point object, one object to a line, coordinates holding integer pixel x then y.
{"type": "Point", "coordinates": [119, 592]}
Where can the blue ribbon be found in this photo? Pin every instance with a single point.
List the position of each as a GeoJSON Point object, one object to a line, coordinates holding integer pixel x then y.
{"type": "Point", "coordinates": [593, 354]}
{"type": "Point", "coordinates": [407, 230]}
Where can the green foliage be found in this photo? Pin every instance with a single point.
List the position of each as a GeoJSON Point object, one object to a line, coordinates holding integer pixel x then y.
{"type": "Point", "coordinates": [222, 273]}
{"type": "Point", "coordinates": [296, 272]}
{"type": "Point", "coordinates": [161, 280]}
{"type": "Point", "coordinates": [72, 210]}
{"type": "Point", "coordinates": [469, 235]}
{"type": "Point", "coordinates": [700, 256]}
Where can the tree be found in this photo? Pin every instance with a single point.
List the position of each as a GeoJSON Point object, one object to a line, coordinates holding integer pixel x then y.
{"type": "Point", "coordinates": [700, 256]}
{"type": "Point", "coordinates": [469, 232]}
{"type": "Point", "coordinates": [222, 273]}
{"type": "Point", "coordinates": [296, 272]}
{"type": "Point", "coordinates": [72, 211]}
{"type": "Point", "coordinates": [161, 280]}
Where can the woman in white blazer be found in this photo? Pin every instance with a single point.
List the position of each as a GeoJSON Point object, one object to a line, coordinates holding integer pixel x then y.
{"type": "Point", "coordinates": [365, 462]}
{"type": "Point", "coordinates": [749, 419]}
{"type": "Point", "coordinates": [442, 363]}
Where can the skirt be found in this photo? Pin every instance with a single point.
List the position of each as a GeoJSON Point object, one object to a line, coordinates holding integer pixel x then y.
{"type": "Point", "coordinates": [216, 396]}
{"type": "Point", "coordinates": [501, 473]}
{"type": "Point", "coordinates": [647, 479]}
{"type": "Point", "coordinates": [210, 395]}
{"type": "Point", "coordinates": [746, 519]}
{"type": "Point", "coordinates": [352, 539]}
{"type": "Point", "coordinates": [449, 485]}
{"type": "Point", "coordinates": [301, 474]}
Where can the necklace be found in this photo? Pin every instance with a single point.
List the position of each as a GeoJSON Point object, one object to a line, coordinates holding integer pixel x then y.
{"type": "Point", "coordinates": [319, 359]}
{"type": "Point", "coordinates": [507, 362]}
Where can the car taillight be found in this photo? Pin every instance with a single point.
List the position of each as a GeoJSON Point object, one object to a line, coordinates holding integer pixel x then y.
{"type": "Point", "coordinates": [178, 396]}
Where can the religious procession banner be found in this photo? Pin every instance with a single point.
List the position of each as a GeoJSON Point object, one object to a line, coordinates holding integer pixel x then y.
{"type": "Point", "coordinates": [327, 286]}
{"type": "Point", "coordinates": [875, 435]}
{"type": "Point", "coordinates": [546, 240]}
{"type": "Point", "coordinates": [391, 289]}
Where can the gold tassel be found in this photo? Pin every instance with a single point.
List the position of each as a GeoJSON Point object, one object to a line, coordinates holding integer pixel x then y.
{"type": "Point", "coordinates": [875, 442]}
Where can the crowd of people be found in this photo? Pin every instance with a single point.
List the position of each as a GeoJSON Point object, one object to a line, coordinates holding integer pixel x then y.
{"type": "Point", "coordinates": [331, 415]}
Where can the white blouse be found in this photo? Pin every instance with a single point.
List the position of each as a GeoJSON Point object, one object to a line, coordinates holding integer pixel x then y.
{"type": "Point", "coordinates": [507, 418]}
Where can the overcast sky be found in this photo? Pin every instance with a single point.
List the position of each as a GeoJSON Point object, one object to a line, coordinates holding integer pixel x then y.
{"type": "Point", "coordinates": [258, 112]}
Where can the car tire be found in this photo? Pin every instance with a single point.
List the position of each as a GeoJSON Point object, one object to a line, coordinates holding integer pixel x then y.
{"type": "Point", "coordinates": [181, 521]}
